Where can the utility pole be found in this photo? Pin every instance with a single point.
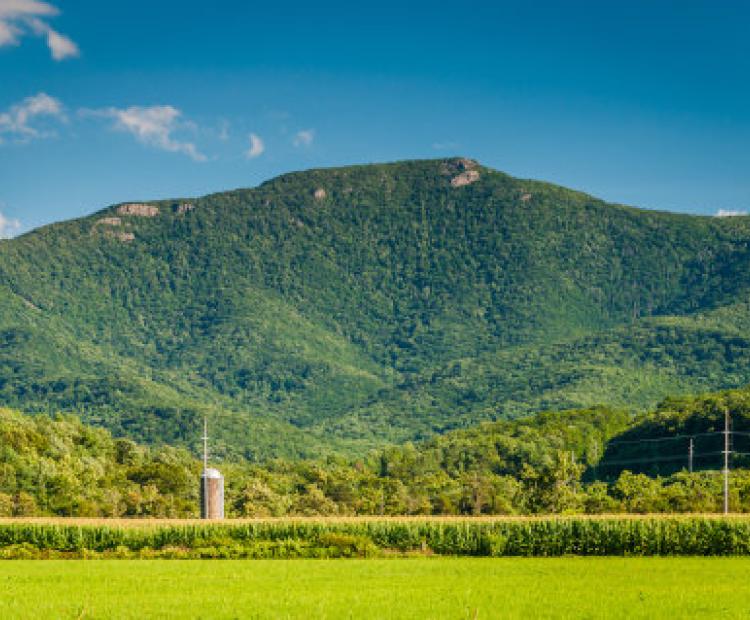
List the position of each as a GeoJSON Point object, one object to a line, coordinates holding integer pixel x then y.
{"type": "Point", "coordinates": [205, 443]}
{"type": "Point", "coordinates": [212, 484]}
{"type": "Point", "coordinates": [726, 461]}
{"type": "Point", "coordinates": [204, 480]}
{"type": "Point", "coordinates": [691, 452]}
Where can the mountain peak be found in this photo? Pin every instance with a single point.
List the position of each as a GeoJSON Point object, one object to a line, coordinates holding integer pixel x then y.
{"type": "Point", "coordinates": [343, 308]}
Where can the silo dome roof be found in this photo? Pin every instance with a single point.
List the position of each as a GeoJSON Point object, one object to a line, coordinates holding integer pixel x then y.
{"type": "Point", "coordinates": [211, 473]}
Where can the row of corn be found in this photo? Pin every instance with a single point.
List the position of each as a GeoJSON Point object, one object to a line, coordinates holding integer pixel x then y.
{"type": "Point", "coordinates": [539, 537]}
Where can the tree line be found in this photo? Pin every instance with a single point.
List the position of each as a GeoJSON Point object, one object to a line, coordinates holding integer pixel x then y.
{"type": "Point", "coordinates": [548, 463]}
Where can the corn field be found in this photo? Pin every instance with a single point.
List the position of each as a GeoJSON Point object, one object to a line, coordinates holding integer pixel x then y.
{"type": "Point", "coordinates": [558, 536]}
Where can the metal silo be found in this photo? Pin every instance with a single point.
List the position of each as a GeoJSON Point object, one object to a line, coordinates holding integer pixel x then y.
{"type": "Point", "coordinates": [212, 494]}
{"type": "Point", "coordinates": [212, 485]}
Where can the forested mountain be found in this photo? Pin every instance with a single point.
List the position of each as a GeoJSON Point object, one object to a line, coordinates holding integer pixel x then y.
{"type": "Point", "coordinates": [338, 310]}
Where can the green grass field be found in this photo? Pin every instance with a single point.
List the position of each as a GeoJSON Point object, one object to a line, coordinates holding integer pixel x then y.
{"type": "Point", "coordinates": [386, 588]}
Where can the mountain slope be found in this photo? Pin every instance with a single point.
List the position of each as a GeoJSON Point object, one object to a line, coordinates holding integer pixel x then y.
{"type": "Point", "coordinates": [341, 309]}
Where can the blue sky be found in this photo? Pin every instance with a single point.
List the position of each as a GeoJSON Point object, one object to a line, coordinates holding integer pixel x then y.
{"type": "Point", "coordinates": [640, 102]}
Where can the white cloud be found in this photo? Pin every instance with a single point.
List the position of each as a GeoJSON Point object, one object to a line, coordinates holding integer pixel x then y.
{"type": "Point", "coordinates": [19, 17]}
{"type": "Point", "coordinates": [257, 147]}
{"type": "Point", "coordinates": [729, 213]}
{"type": "Point", "coordinates": [154, 126]}
{"type": "Point", "coordinates": [24, 9]}
{"type": "Point", "coordinates": [17, 121]}
{"type": "Point", "coordinates": [8, 34]}
{"type": "Point", "coordinates": [304, 138]}
{"type": "Point", "coordinates": [8, 227]}
{"type": "Point", "coordinates": [60, 45]}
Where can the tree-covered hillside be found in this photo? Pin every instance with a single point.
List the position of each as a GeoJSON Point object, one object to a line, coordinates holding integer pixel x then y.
{"type": "Point", "coordinates": [59, 466]}
{"type": "Point", "coordinates": [341, 309]}
{"type": "Point", "coordinates": [552, 462]}
{"type": "Point", "coordinates": [659, 443]}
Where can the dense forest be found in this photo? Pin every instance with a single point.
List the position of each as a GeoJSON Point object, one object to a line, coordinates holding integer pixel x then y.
{"type": "Point", "coordinates": [338, 311]}
{"type": "Point", "coordinates": [567, 462]}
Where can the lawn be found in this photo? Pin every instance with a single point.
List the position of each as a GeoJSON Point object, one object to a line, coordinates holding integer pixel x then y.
{"type": "Point", "coordinates": [383, 588]}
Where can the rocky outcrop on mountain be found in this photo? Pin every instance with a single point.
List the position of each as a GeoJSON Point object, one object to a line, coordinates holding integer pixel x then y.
{"type": "Point", "coordinates": [465, 178]}
{"type": "Point", "coordinates": [109, 221]}
{"type": "Point", "coordinates": [138, 210]}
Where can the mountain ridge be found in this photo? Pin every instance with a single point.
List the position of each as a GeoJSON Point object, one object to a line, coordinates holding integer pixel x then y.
{"type": "Point", "coordinates": [341, 309]}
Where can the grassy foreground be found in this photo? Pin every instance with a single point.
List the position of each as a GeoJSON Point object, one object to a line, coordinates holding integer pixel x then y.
{"type": "Point", "coordinates": [413, 588]}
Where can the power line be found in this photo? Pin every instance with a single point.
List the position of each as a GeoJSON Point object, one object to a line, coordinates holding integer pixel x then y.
{"type": "Point", "coordinates": [671, 438]}
{"type": "Point", "coordinates": [727, 452]}
{"type": "Point", "coordinates": [655, 459]}
{"type": "Point", "coordinates": [674, 438]}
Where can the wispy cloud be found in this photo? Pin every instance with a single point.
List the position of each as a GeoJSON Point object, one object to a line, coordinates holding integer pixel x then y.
{"type": "Point", "coordinates": [21, 17]}
{"type": "Point", "coordinates": [60, 46]}
{"type": "Point", "coordinates": [729, 213]}
{"type": "Point", "coordinates": [8, 227]}
{"type": "Point", "coordinates": [304, 138]}
{"type": "Point", "coordinates": [154, 125]}
{"type": "Point", "coordinates": [257, 147]}
{"type": "Point", "coordinates": [8, 34]}
{"type": "Point", "coordinates": [18, 121]}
